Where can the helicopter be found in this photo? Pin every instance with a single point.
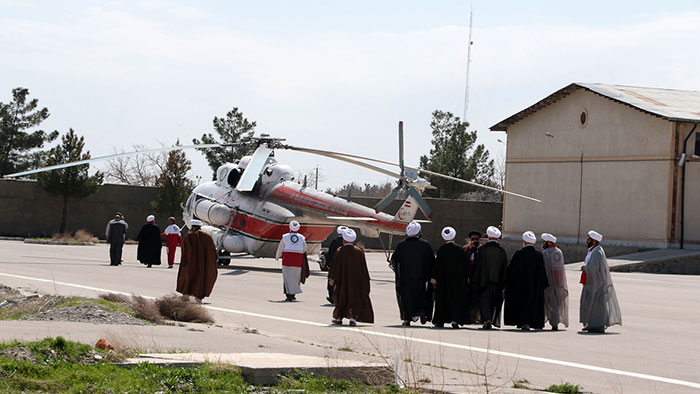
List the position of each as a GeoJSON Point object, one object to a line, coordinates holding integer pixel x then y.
{"type": "Point", "coordinates": [249, 206]}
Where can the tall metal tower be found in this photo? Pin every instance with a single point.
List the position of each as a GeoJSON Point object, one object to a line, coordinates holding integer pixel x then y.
{"type": "Point", "coordinates": [469, 61]}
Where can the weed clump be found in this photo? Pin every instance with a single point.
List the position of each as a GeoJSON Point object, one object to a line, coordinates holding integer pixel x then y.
{"type": "Point", "coordinates": [169, 307]}
{"type": "Point", "coordinates": [565, 388]}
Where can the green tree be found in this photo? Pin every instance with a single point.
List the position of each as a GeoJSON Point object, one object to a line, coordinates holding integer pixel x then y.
{"type": "Point", "coordinates": [230, 130]}
{"type": "Point", "coordinates": [453, 153]}
{"type": "Point", "coordinates": [16, 144]}
{"type": "Point", "coordinates": [72, 182]}
{"type": "Point", "coordinates": [173, 185]}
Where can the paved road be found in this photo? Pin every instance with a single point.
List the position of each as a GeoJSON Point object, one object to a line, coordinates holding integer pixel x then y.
{"type": "Point", "coordinates": [656, 351]}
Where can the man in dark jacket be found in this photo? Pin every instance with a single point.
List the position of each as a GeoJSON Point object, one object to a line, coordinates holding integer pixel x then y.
{"type": "Point", "coordinates": [526, 280]}
{"type": "Point", "coordinates": [115, 233]}
{"type": "Point", "coordinates": [148, 252]}
{"type": "Point", "coordinates": [412, 263]}
{"type": "Point", "coordinates": [488, 278]}
{"type": "Point", "coordinates": [332, 248]}
{"type": "Point", "coordinates": [450, 279]}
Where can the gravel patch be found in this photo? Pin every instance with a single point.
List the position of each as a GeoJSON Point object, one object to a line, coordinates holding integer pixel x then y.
{"type": "Point", "coordinates": [88, 313]}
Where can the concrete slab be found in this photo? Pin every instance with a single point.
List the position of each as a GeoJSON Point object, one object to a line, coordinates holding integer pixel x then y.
{"type": "Point", "coordinates": [267, 368]}
{"type": "Point", "coordinates": [662, 261]}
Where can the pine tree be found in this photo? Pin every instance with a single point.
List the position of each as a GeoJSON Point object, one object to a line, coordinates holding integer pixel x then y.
{"type": "Point", "coordinates": [454, 154]}
{"type": "Point", "coordinates": [173, 185]}
{"type": "Point", "coordinates": [15, 143]}
{"type": "Point", "coordinates": [72, 182]}
{"type": "Point", "coordinates": [230, 130]}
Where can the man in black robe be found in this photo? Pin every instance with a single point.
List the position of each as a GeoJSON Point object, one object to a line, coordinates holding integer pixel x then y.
{"type": "Point", "coordinates": [332, 248]}
{"type": "Point", "coordinates": [412, 263]}
{"type": "Point", "coordinates": [488, 278]}
{"type": "Point", "coordinates": [148, 252]}
{"type": "Point", "coordinates": [450, 279]}
{"type": "Point", "coordinates": [471, 248]}
{"type": "Point", "coordinates": [526, 280]}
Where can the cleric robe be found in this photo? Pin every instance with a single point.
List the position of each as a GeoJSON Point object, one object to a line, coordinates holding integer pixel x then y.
{"type": "Point", "coordinates": [599, 307]}
{"type": "Point", "coordinates": [148, 251]}
{"type": "Point", "coordinates": [556, 295]}
{"type": "Point", "coordinates": [488, 280]}
{"type": "Point", "coordinates": [412, 263]}
{"type": "Point", "coordinates": [198, 269]}
{"type": "Point", "coordinates": [451, 272]}
{"type": "Point", "coordinates": [351, 285]}
{"type": "Point", "coordinates": [526, 280]}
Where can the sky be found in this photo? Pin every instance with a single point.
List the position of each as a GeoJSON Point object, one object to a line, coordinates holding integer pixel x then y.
{"type": "Point", "coordinates": [327, 75]}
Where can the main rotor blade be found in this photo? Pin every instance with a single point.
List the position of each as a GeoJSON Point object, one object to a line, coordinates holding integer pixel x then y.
{"type": "Point", "coordinates": [253, 169]}
{"type": "Point", "coordinates": [114, 156]}
{"type": "Point", "coordinates": [343, 157]}
{"type": "Point", "coordinates": [337, 155]}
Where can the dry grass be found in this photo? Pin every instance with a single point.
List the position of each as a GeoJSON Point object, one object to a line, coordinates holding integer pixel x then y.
{"type": "Point", "coordinates": [80, 236]}
{"type": "Point", "coordinates": [169, 307]}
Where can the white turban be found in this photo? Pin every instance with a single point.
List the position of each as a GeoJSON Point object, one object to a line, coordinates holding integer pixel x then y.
{"type": "Point", "coordinates": [529, 237]}
{"type": "Point", "coordinates": [349, 235]}
{"type": "Point", "coordinates": [195, 222]}
{"type": "Point", "coordinates": [413, 229]}
{"type": "Point", "coordinates": [549, 237]}
{"type": "Point", "coordinates": [493, 232]}
{"type": "Point", "coordinates": [341, 229]}
{"type": "Point", "coordinates": [448, 233]}
{"type": "Point", "coordinates": [150, 218]}
{"type": "Point", "coordinates": [595, 235]}
{"type": "Point", "coordinates": [294, 225]}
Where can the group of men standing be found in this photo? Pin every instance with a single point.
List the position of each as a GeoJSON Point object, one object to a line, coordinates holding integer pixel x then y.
{"type": "Point", "coordinates": [472, 283]}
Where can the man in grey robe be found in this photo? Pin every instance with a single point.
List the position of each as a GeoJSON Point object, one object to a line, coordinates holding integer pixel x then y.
{"type": "Point", "coordinates": [115, 233]}
{"type": "Point", "coordinates": [599, 307]}
{"type": "Point", "coordinates": [556, 295]}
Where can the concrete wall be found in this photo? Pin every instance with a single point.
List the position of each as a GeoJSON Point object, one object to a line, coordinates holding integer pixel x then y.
{"type": "Point", "coordinates": [29, 211]}
{"type": "Point", "coordinates": [623, 183]}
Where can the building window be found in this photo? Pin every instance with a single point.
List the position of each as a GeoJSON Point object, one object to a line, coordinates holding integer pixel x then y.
{"type": "Point", "coordinates": [583, 118]}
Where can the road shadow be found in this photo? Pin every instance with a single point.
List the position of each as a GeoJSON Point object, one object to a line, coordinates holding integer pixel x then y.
{"type": "Point", "coordinates": [596, 333]}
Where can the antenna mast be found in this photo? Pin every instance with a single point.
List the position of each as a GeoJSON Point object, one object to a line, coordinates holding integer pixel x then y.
{"type": "Point", "coordinates": [469, 61]}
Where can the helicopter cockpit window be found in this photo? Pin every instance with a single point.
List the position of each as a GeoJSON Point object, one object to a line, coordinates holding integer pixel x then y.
{"type": "Point", "coordinates": [233, 177]}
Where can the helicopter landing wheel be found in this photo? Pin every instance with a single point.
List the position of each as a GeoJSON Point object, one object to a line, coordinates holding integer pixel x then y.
{"type": "Point", "coordinates": [226, 261]}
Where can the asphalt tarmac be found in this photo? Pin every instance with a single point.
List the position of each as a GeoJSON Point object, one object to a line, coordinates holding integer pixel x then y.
{"type": "Point", "coordinates": [657, 350]}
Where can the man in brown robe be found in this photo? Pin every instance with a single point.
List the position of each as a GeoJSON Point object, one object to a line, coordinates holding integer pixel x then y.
{"type": "Point", "coordinates": [350, 280]}
{"type": "Point", "coordinates": [197, 273]}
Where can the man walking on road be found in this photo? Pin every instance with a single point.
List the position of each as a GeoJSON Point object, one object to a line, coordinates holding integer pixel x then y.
{"type": "Point", "coordinates": [173, 238]}
{"type": "Point", "coordinates": [198, 269]}
{"type": "Point", "coordinates": [599, 307]}
{"type": "Point", "coordinates": [332, 248]}
{"type": "Point", "coordinates": [148, 252]}
{"type": "Point", "coordinates": [450, 279]}
{"type": "Point", "coordinates": [292, 250]}
{"type": "Point", "coordinates": [488, 278]}
{"type": "Point", "coordinates": [350, 279]}
{"type": "Point", "coordinates": [412, 263]}
{"type": "Point", "coordinates": [556, 296]}
{"type": "Point", "coordinates": [115, 233]}
{"type": "Point", "coordinates": [525, 284]}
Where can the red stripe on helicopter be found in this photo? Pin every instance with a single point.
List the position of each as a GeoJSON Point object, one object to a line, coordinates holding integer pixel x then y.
{"type": "Point", "coordinates": [264, 229]}
{"type": "Point", "coordinates": [295, 197]}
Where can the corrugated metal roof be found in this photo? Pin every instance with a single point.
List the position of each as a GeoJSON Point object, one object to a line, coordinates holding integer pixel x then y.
{"type": "Point", "coordinates": [673, 105]}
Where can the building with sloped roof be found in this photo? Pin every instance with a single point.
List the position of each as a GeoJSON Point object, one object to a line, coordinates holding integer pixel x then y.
{"type": "Point", "coordinates": [622, 160]}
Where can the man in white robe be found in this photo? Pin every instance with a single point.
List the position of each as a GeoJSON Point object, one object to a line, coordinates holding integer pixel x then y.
{"type": "Point", "coordinates": [599, 307]}
{"type": "Point", "coordinates": [556, 295]}
{"type": "Point", "coordinates": [291, 249]}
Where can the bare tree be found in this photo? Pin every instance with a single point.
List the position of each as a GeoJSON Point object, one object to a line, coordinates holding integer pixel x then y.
{"type": "Point", "coordinates": [137, 170]}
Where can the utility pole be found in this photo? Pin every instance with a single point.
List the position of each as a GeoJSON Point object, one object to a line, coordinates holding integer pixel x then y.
{"type": "Point", "coordinates": [469, 61]}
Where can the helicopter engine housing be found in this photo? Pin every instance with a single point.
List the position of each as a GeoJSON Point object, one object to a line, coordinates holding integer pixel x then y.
{"type": "Point", "coordinates": [212, 212]}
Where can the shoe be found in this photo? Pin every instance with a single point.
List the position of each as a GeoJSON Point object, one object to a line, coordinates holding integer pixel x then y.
{"type": "Point", "coordinates": [487, 325]}
{"type": "Point", "coordinates": [170, 266]}
{"type": "Point", "coordinates": [438, 325]}
{"type": "Point", "coordinates": [290, 297]}
{"type": "Point", "coordinates": [337, 321]}
{"type": "Point", "coordinates": [406, 323]}
{"type": "Point", "coordinates": [294, 297]}
{"type": "Point", "coordinates": [525, 327]}
{"type": "Point", "coordinates": [555, 328]}
{"type": "Point", "coordinates": [455, 325]}
{"type": "Point", "coordinates": [353, 322]}
{"type": "Point", "coordinates": [148, 266]}
{"type": "Point", "coordinates": [330, 300]}
{"type": "Point", "coordinates": [423, 318]}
